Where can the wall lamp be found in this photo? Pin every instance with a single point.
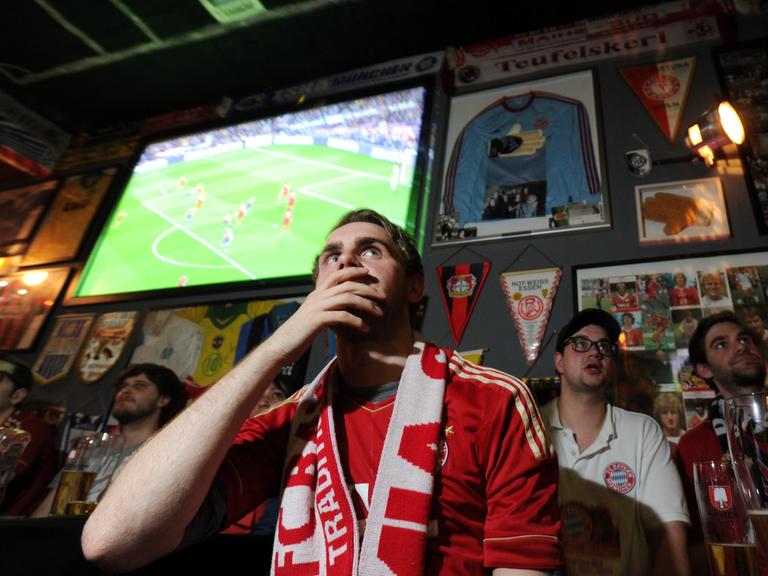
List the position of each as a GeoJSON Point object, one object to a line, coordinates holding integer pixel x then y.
{"type": "Point", "coordinates": [706, 138]}
{"type": "Point", "coordinates": [713, 130]}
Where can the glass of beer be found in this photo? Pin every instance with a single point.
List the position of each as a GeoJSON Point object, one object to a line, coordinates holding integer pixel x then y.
{"type": "Point", "coordinates": [747, 419]}
{"type": "Point", "coordinates": [728, 533]}
{"type": "Point", "coordinates": [91, 460]}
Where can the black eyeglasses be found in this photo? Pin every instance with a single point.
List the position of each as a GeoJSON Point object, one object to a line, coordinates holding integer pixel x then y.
{"type": "Point", "coordinates": [583, 344]}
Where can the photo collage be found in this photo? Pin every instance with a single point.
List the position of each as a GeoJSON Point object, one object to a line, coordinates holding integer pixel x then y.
{"type": "Point", "coordinates": [658, 311]}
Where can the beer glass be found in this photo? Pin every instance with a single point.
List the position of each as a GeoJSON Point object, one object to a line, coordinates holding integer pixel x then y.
{"type": "Point", "coordinates": [91, 461]}
{"type": "Point", "coordinates": [13, 441]}
{"type": "Point", "coordinates": [731, 549]}
{"type": "Point", "coordinates": [747, 419]}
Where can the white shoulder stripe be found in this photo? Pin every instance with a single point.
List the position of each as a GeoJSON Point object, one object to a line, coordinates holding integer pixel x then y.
{"type": "Point", "coordinates": [526, 406]}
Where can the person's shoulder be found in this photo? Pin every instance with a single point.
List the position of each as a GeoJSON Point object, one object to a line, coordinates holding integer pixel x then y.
{"type": "Point", "coordinates": [637, 421]}
{"type": "Point", "coordinates": [695, 435]}
{"type": "Point", "coordinates": [32, 423]}
{"type": "Point", "coordinates": [487, 389]}
{"type": "Point", "coordinates": [483, 378]}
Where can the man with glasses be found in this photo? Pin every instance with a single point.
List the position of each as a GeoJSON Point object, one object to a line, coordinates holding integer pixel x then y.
{"type": "Point", "coordinates": [621, 502]}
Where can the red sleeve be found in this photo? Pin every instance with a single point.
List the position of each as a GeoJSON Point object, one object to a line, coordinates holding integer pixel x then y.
{"type": "Point", "coordinates": [523, 519]}
{"type": "Point", "coordinates": [35, 469]}
{"type": "Point", "coordinates": [252, 469]}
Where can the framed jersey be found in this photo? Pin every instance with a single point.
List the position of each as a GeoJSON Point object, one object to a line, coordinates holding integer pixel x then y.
{"type": "Point", "coordinates": [522, 159]}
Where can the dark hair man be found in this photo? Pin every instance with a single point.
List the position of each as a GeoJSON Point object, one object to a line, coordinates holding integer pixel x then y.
{"type": "Point", "coordinates": [147, 396]}
{"type": "Point", "coordinates": [37, 464]}
{"type": "Point", "coordinates": [621, 502]}
{"type": "Point", "coordinates": [400, 457]}
{"type": "Point", "coordinates": [726, 355]}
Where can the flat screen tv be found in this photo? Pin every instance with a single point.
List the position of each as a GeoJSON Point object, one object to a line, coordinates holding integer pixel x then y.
{"type": "Point", "coordinates": [253, 201]}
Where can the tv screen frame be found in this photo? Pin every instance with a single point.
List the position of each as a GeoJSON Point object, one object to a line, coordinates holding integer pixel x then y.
{"type": "Point", "coordinates": [341, 135]}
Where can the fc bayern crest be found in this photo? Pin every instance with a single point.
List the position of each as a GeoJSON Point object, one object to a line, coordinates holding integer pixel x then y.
{"type": "Point", "coordinates": [720, 498]}
{"type": "Point", "coordinates": [619, 477]}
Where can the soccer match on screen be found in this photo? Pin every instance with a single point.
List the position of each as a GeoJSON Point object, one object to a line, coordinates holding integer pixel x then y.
{"type": "Point", "coordinates": [253, 201]}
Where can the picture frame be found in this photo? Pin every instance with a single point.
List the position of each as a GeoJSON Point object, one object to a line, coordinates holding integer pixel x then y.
{"type": "Point", "coordinates": [681, 211]}
{"type": "Point", "coordinates": [20, 211]}
{"type": "Point", "coordinates": [658, 303]}
{"type": "Point", "coordinates": [26, 301]}
{"type": "Point", "coordinates": [743, 72]}
{"type": "Point", "coordinates": [496, 181]}
{"type": "Point", "coordinates": [67, 221]}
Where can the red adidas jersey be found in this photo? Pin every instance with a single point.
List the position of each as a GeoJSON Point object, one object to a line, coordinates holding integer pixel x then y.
{"type": "Point", "coordinates": [495, 495]}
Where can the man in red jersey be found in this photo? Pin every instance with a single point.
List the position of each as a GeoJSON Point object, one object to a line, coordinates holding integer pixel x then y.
{"type": "Point", "coordinates": [400, 458]}
{"type": "Point", "coordinates": [727, 356]}
{"type": "Point", "coordinates": [37, 463]}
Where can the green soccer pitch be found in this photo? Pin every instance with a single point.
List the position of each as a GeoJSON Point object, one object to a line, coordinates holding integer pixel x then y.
{"type": "Point", "coordinates": [156, 238]}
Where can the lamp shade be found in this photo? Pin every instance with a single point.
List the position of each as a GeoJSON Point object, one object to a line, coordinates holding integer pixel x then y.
{"type": "Point", "coordinates": [713, 130]}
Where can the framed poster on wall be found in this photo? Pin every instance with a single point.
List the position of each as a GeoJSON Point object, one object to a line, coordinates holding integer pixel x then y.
{"type": "Point", "coordinates": [67, 222]}
{"type": "Point", "coordinates": [683, 211]}
{"type": "Point", "coordinates": [26, 300]}
{"type": "Point", "coordinates": [658, 305]}
{"type": "Point", "coordinates": [743, 73]}
{"type": "Point", "coordinates": [522, 159]}
{"type": "Point", "coordinates": [20, 210]}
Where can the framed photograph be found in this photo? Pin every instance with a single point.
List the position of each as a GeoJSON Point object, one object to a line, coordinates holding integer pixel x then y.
{"type": "Point", "coordinates": [26, 300]}
{"type": "Point", "coordinates": [743, 70]}
{"type": "Point", "coordinates": [683, 211]}
{"type": "Point", "coordinates": [522, 159]}
{"type": "Point", "coordinates": [20, 210]}
{"type": "Point", "coordinates": [658, 305]}
{"type": "Point", "coordinates": [67, 222]}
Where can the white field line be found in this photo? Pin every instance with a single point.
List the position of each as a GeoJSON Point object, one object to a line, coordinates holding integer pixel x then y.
{"type": "Point", "coordinates": [194, 236]}
{"type": "Point", "coordinates": [178, 262]}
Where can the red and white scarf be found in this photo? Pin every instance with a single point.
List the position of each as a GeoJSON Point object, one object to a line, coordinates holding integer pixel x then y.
{"type": "Point", "coordinates": [317, 530]}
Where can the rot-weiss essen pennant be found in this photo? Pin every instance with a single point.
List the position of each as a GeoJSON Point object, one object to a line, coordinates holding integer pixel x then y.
{"type": "Point", "coordinates": [530, 294]}
{"type": "Point", "coordinates": [460, 285]}
{"type": "Point", "coordinates": [663, 89]}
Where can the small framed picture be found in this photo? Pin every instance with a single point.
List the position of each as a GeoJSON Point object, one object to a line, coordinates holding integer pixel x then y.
{"type": "Point", "coordinates": [683, 211]}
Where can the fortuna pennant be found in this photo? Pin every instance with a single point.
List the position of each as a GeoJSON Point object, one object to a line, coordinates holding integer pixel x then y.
{"type": "Point", "coordinates": [530, 294]}
{"type": "Point", "coordinates": [460, 286]}
{"type": "Point", "coordinates": [663, 90]}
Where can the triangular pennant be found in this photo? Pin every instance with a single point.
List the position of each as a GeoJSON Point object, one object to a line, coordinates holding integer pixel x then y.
{"type": "Point", "coordinates": [61, 349]}
{"type": "Point", "coordinates": [663, 90]}
{"type": "Point", "coordinates": [474, 356]}
{"type": "Point", "coordinates": [460, 286]}
{"type": "Point", "coordinates": [529, 295]}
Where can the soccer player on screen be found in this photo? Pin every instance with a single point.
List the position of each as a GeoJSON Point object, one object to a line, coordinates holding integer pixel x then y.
{"type": "Point", "coordinates": [282, 196]}
{"type": "Point", "coordinates": [287, 219]}
{"type": "Point", "coordinates": [241, 212]}
{"type": "Point", "coordinates": [229, 235]}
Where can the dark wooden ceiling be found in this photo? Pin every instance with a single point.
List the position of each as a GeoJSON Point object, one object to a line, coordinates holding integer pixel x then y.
{"type": "Point", "coordinates": [87, 64]}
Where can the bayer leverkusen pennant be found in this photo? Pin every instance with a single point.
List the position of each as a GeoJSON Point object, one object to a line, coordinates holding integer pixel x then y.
{"type": "Point", "coordinates": [460, 286]}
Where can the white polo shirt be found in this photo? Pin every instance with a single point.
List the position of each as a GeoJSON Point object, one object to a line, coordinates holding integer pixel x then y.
{"type": "Point", "coordinates": [620, 487]}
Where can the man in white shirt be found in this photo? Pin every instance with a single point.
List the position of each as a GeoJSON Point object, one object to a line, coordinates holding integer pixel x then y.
{"type": "Point", "coordinates": [621, 501]}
